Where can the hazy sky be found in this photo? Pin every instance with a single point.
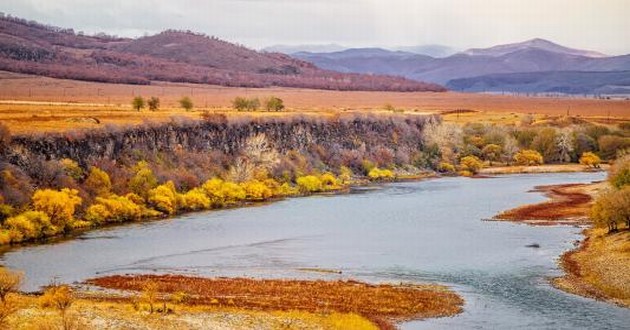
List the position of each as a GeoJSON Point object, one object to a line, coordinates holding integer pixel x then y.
{"type": "Point", "coordinates": [602, 25]}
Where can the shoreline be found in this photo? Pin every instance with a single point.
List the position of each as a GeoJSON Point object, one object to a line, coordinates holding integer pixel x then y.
{"type": "Point", "coordinates": [599, 268]}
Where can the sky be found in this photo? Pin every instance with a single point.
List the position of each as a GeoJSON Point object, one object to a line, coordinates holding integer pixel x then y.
{"type": "Point", "coordinates": [601, 25]}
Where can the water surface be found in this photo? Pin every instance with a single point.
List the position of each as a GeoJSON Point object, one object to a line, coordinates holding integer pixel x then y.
{"type": "Point", "coordinates": [430, 231]}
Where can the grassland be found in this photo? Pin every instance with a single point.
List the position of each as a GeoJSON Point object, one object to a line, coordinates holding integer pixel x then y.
{"type": "Point", "coordinates": [382, 304]}
{"type": "Point", "coordinates": [31, 103]}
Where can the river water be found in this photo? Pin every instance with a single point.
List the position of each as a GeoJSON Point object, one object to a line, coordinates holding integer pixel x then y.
{"type": "Point", "coordinates": [429, 231]}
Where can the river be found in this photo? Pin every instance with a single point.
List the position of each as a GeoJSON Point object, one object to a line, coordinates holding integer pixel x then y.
{"type": "Point", "coordinates": [429, 231]}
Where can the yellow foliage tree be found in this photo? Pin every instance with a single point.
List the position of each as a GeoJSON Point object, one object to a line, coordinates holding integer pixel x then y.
{"type": "Point", "coordinates": [309, 184]}
{"type": "Point", "coordinates": [222, 193]}
{"type": "Point", "coordinates": [30, 225]}
{"type": "Point", "coordinates": [72, 168]}
{"type": "Point", "coordinates": [345, 175]}
{"type": "Point", "coordinates": [115, 209]}
{"type": "Point", "coordinates": [471, 164]}
{"type": "Point", "coordinates": [196, 199]}
{"type": "Point", "coordinates": [377, 174]}
{"type": "Point", "coordinates": [528, 157]}
{"type": "Point", "coordinates": [98, 182]}
{"type": "Point", "coordinates": [165, 198]}
{"type": "Point", "coordinates": [143, 180]}
{"type": "Point", "coordinates": [590, 159]}
{"type": "Point", "coordinates": [329, 181]}
{"type": "Point", "coordinates": [256, 190]}
{"type": "Point", "coordinates": [58, 205]}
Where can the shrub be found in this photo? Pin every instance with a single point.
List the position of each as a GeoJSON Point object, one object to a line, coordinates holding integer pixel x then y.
{"type": "Point", "coordinates": [377, 174]}
{"type": "Point", "coordinates": [164, 198]}
{"type": "Point", "coordinates": [528, 157]}
{"type": "Point", "coordinates": [143, 180]}
{"type": "Point", "coordinates": [471, 164]}
{"type": "Point", "coordinates": [196, 199]}
{"type": "Point", "coordinates": [246, 104]}
{"type": "Point", "coordinates": [274, 104]}
{"type": "Point", "coordinates": [612, 208]}
{"type": "Point", "coordinates": [610, 144]}
{"type": "Point", "coordinates": [491, 152]}
{"type": "Point", "coordinates": [256, 190]}
{"type": "Point", "coordinates": [9, 282]}
{"type": "Point", "coordinates": [590, 159]}
{"type": "Point", "coordinates": [58, 205]}
{"type": "Point", "coordinates": [72, 169]}
{"type": "Point", "coordinates": [223, 193]}
{"type": "Point", "coordinates": [345, 175]}
{"type": "Point", "coordinates": [186, 103]}
{"type": "Point", "coordinates": [153, 103]}
{"type": "Point", "coordinates": [309, 184]}
{"type": "Point", "coordinates": [137, 103]}
{"type": "Point", "coordinates": [115, 209]}
{"type": "Point", "coordinates": [98, 182]}
{"type": "Point", "coordinates": [445, 167]}
{"type": "Point", "coordinates": [31, 225]}
{"type": "Point", "coordinates": [619, 175]}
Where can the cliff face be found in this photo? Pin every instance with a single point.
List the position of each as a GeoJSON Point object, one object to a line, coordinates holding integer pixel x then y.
{"type": "Point", "coordinates": [398, 133]}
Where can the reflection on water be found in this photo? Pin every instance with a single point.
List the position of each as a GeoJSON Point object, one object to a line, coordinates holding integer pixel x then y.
{"type": "Point", "coordinates": [423, 231]}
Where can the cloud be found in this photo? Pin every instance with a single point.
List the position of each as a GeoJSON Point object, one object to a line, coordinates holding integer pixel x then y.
{"type": "Point", "coordinates": [598, 25]}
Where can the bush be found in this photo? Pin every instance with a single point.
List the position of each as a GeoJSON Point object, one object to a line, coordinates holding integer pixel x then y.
{"type": "Point", "coordinates": [153, 103]}
{"type": "Point", "coordinates": [256, 190]}
{"type": "Point", "coordinates": [445, 167]}
{"type": "Point", "coordinates": [143, 180]}
{"type": "Point", "coordinates": [309, 184]}
{"type": "Point", "coordinates": [274, 104]}
{"type": "Point", "coordinates": [246, 104]}
{"type": "Point", "coordinates": [619, 175]}
{"type": "Point", "coordinates": [115, 209]}
{"type": "Point", "coordinates": [377, 174]}
{"type": "Point", "coordinates": [222, 193]}
{"type": "Point", "coordinates": [471, 164]}
{"type": "Point", "coordinates": [30, 225]}
{"type": "Point", "coordinates": [528, 157]}
{"type": "Point", "coordinates": [329, 181]}
{"type": "Point", "coordinates": [137, 103]}
{"type": "Point", "coordinates": [98, 182]}
{"type": "Point", "coordinates": [164, 198]}
{"type": "Point", "coordinates": [196, 199]}
{"type": "Point", "coordinates": [611, 209]}
{"type": "Point", "coordinates": [58, 205]}
{"type": "Point", "coordinates": [590, 159]}
{"type": "Point", "coordinates": [186, 103]}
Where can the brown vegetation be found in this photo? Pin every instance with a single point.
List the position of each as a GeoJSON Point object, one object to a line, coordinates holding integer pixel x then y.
{"type": "Point", "coordinates": [569, 204]}
{"type": "Point", "coordinates": [599, 268]}
{"type": "Point", "coordinates": [381, 303]}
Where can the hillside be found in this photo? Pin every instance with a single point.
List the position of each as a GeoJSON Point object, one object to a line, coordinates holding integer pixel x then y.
{"type": "Point", "coordinates": [569, 82]}
{"type": "Point", "coordinates": [175, 56]}
{"type": "Point", "coordinates": [532, 56]}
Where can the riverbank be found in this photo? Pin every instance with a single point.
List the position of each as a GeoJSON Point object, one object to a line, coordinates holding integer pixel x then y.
{"type": "Point", "coordinates": [600, 267]}
{"type": "Point", "coordinates": [551, 168]}
{"type": "Point", "coordinates": [237, 303]}
{"type": "Point", "coordinates": [568, 204]}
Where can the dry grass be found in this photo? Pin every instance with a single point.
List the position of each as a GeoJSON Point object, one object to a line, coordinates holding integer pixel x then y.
{"type": "Point", "coordinates": [600, 268]}
{"type": "Point", "coordinates": [380, 303]}
{"type": "Point", "coordinates": [552, 168]}
{"type": "Point", "coordinates": [29, 103]}
{"type": "Point", "coordinates": [95, 314]}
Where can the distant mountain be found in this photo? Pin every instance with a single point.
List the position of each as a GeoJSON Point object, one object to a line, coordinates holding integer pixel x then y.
{"type": "Point", "coordinates": [531, 56]}
{"type": "Point", "coordinates": [291, 49]}
{"type": "Point", "coordinates": [537, 43]}
{"type": "Point", "coordinates": [177, 56]}
{"type": "Point", "coordinates": [569, 82]}
{"type": "Point", "coordinates": [429, 50]}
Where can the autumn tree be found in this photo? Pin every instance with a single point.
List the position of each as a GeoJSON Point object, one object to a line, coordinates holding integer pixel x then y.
{"type": "Point", "coordinates": [59, 205]}
{"type": "Point", "coordinates": [619, 175]}
{"type": "Point", "coordinates": [61, 298]}
{"type": "Point", "coordinates": [98, 182]}
{"type": "Point", "coordinates": [196, 199]}
{"type": "Point", "coordinates": [153, 103]}
{"type": "Point", "coordinates": [164, 198]}
{"type": "Point", "coordinates": [528, 157]}
{"type": "Point", "coordinates": [377, 174]}
{"type": "Point", "coordinates": [9, 284]}
{"type": "Point", "coordinates": [471, 164]}
{"type": "Point", "coordinates": [590, 159]}
{"type": "Point", "coordinates": [186, 103]}
{"type": "Point", "coordinates": [138, 103]}
{"type": "Point", "coordinates": [274, 104]}
{"type": "Point", "coordinates": [309, 184]}
{"type": "Point", "coordinates": [491, 152]}
{"type": "Point", "coordinates": [246, 104]}
{"type": "Point", "coordinates": [143, 180]}
{"type": "Point", "coordinates": [612, 208]}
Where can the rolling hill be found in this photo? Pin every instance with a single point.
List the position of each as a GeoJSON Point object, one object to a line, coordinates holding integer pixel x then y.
{"type": "Point", "coordinates": [536, 55]}
{"type": "Point", "coordinates": [176, 56]}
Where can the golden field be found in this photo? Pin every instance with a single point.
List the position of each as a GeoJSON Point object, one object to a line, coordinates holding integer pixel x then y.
{"type": "Point", "coordinates": [32, 103]}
